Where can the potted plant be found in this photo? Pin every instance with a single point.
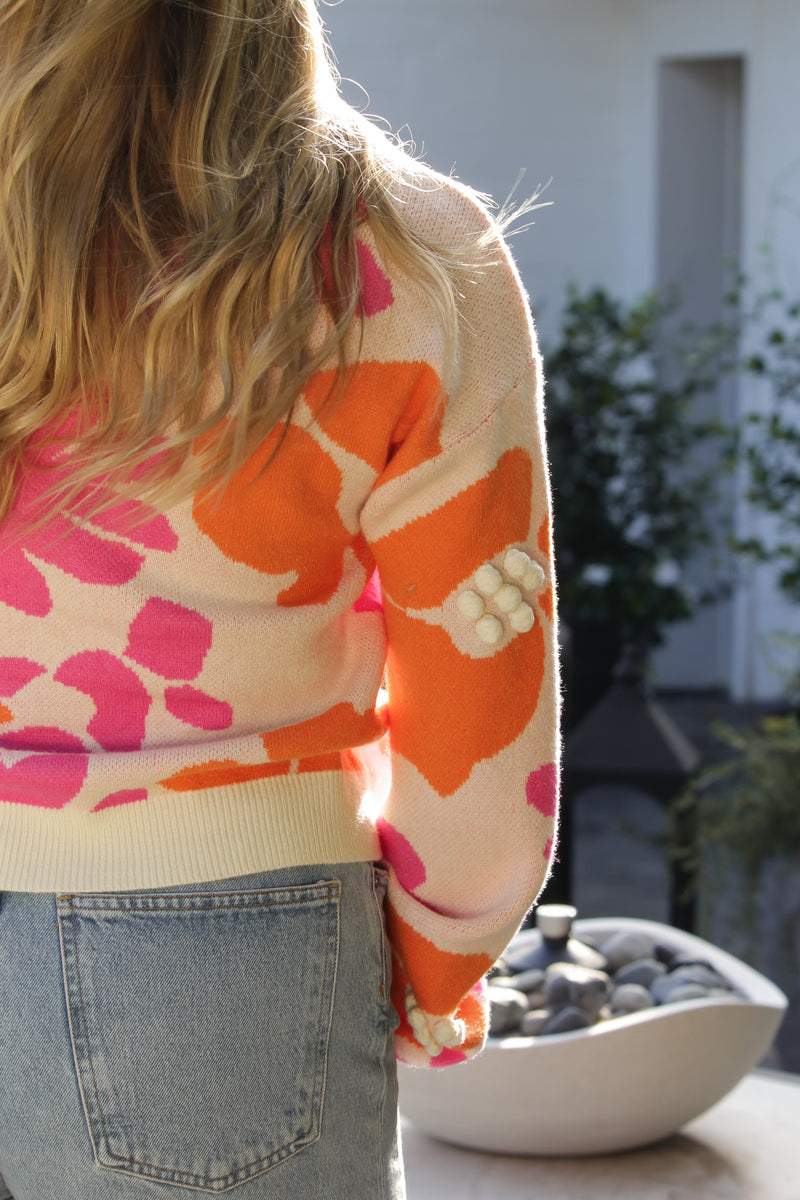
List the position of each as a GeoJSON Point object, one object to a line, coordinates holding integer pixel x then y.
{"type": "Point", "coordinates": [770, 442]}
{"type": "Point", "coordinates": [633, 499]}
{"type": "Point", "coordinates": [748, 806]}
{"type": "Point", "coordinates": [742, 818]}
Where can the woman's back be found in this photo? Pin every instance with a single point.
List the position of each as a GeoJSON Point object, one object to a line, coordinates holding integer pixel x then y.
{"type": "Point", "coordinates": [329, 475]}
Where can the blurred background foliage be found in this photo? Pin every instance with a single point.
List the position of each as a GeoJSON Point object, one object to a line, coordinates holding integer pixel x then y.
{"type": "Point", "coordinates": [636, 472]}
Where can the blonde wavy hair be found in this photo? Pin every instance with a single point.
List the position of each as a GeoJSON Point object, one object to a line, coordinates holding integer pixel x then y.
{"type": "Point", "coordinates": [172, 173]}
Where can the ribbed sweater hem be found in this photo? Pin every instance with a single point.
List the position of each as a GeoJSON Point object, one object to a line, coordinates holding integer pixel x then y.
{"type": "Point", "coordinates": [217, 833]}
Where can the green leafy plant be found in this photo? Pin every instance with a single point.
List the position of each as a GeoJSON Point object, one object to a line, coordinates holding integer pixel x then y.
{"type": "Point", "coordinates": [749, 804]}
{"type": "Point", "coordinates": [736, 829]}
{"type": "Point", "coordinates": [632, 497]}
{"type": "Point", "coordinates": [770, 442]}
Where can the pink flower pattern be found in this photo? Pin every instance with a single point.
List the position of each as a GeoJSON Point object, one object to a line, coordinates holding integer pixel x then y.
{"type": "Point", "coordinates": [83, 552]}
{"type": "Point", "coordinates": [167, 639]}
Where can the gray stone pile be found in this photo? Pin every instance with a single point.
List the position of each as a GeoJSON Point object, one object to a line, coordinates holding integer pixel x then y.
{"type": "Point", "coordinates": [626, 973]}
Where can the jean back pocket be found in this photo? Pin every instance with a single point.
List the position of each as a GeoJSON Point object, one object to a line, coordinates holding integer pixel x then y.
{"type": "Point", "coordinates": [200, 1025]}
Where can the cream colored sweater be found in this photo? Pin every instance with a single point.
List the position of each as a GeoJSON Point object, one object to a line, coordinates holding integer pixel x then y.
{"type": "Point", "coordinates": [183, 695]}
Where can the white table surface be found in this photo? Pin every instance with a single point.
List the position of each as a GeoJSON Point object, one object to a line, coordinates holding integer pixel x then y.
{"type": "Point", "coordinates": [747, 1147]}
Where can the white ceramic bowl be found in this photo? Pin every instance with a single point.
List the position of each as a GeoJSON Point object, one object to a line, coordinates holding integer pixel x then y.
{"type": "Point", "coordinates": [626, 1082]}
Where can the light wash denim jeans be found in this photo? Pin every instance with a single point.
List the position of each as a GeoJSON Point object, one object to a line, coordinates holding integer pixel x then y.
{"type": "Point", "coordinates": [233, 1036]}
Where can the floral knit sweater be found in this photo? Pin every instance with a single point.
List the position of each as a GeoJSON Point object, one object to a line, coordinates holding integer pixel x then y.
{"type": "Point", "coordinates": [181, 693]}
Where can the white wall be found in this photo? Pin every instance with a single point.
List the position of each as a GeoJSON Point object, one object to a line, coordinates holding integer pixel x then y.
{"type": "Point", "coordinates": [568, 89]}
{"type": "Point", "coordinates": [492, 87]}
{"type": "Point", "coordinates": [766, 33]}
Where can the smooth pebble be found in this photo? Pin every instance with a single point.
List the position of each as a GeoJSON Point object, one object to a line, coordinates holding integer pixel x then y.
{"type": "Point", "coordinates": [687, 991]}
{"type": "Point", "coordinates": [508, 1007]}
{"type": "Point", "coordinates": [626, 947]}
{"type": "Point", "coordinates": [524, 981]}
{"type": "Point", "coordinates": [663, 989]}
{"type": "Point", "coordinates": [643, 971]}
{"type": "Point", "coordinates": [534, 1022]}
{"type": "Point", "coordinates": [567, 1020]}
{"type": "Point", "coordinates": [568, 985]}
{"type": "Point", "coordinates": [630, 997]}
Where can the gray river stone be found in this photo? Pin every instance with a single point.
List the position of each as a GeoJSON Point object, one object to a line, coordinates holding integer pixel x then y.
{"type": "Point", "coordinates": [692, 975]}
{"type": "Point", "coordinates": [698, 973]}
{"type": "Point", "coordinates": [525, 981]}
{"type": "Point", "coordinates": [504, 981]}
{"type": "Point", "coordinates": [643, 971]}
{"type": "Point", "coordinates": [682, 959]}
{"type": "Point", "coordinates": [627, 946]}
{"type": "Point", "coordinates": [663, 988]}
{"type": "Point", "coordinates": [569, 997]}
{"type": "Point", "coordinates": [567, 1020]}
{"type": "Point", "coordinates": [689, 991]}
{"type": "Point", "coordinates": [591, 939]}
{"type": "Point", "coordinates": [630, 997]}
{"type": "Point", "coordinates": [534, 1022]}
{"type": "Point", "coordinates": [568, 985]}
{"type": "Point", "coordinates": [507, 1009]}
{"type": "Point", "coordinates": [665, 955]}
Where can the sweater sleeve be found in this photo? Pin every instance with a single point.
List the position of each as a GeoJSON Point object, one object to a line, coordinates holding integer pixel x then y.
{"type": "Point", "coordinates": [459, 527]}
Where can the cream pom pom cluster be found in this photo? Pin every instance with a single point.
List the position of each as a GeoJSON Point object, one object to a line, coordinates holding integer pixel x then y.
{"type": "Point", "coordinates": [506, 597]}
{"type": "Point", "coordinates": [434, 1034]}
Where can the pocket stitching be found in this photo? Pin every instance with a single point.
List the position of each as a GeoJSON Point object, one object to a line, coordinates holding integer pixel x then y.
{"type": "Point", "coordinates": [65, 902]}
{"type": "Point", "coordinates": [257, 1166]}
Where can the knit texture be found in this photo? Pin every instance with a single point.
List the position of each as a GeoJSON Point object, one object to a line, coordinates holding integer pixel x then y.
{"type": "Point", "coordinates": [197, 694]}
